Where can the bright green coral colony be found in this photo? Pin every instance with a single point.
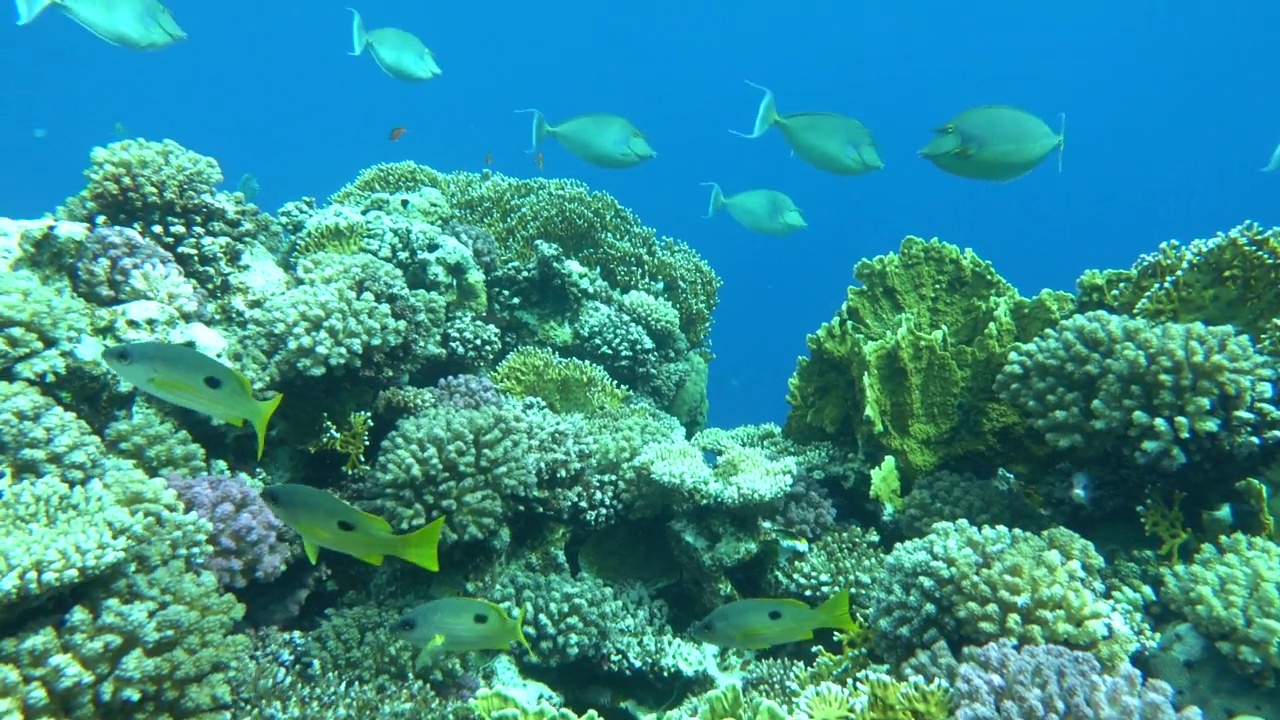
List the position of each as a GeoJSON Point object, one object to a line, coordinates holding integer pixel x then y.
{"type": "Point", "coordinates": [529, 360]}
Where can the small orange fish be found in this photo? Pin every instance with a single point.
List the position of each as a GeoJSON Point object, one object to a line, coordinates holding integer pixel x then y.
{"type": "Point", "coordinates": [538, 159]}
{"type": "Point", "coordinates": [397, 133]}
{"type": "Point", "coordinates": [488, 158]}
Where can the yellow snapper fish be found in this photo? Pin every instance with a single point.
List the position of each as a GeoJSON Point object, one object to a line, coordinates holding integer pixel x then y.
{"type": "Point", "coordinates": [400, 54]}
{"type": "Point", "coordinates": [460, 624]}
{"type": "Point", "coordinates": [765, 211]}
{"type": "Point", "coordinates": [993, 142]}
{"type": "Point", "coordinates": [828, 141]}
{"type": "Point", "coordinates": [136, 24]}
{"type": "Point", "coordinates": [761, 623]}
{"type": "Point", "coordinates": [609, 141]}
{"type": "Point", "coordinates": [326, 521]}
{"type": "Point", "coordinates": [193, 380]}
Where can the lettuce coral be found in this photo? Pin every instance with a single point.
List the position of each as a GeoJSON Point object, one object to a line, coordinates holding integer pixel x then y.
{"type": "Point", "coordinates": [906, 366]}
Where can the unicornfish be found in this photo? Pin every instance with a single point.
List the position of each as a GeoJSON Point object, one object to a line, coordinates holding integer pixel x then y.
{"type": "Point", "coordinates": [460, 624]}
{"type": "Point", "coordinates": [601, 139]}
{"type": "Point", "coordinates": [193, 380]}
{"type": "Point", "coordinates": [1274, 162]}
{"type": "Point", "coordinates": [761, 623]}
{"type": "Point", "coordinates": [400, 54]}
{"type": "Point", "coordinates": [325, 520]}
{"type": "Point", "coordinates": [765, 211]}
{"type": "Point", "coordinates": [993, 142]}
{"type": "Point", "coordinates": [137, 24]}
{"type": "Point", "coordinates": [828, 141]}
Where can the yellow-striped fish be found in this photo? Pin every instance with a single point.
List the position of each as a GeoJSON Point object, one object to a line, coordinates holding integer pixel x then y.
{"type": "Point", "coordinates": [460, 624]}
{"type": "Point", "coordinates": [326, 521]}
{"type": "Point", "coordinates": [762, 623]}
{"type": "Point", "coordinates": [189, 379]}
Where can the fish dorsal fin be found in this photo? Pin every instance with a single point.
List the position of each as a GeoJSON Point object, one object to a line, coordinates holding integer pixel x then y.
{"type": "Point", "coordinates": [242, 381]}
{"type": "Point", "coordinates": [373, 522]}
{"type": "Point", "coordinates": [313, 550]}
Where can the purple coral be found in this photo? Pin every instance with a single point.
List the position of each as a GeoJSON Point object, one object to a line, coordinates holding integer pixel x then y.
{"type": "Point", "coordinates": [1000, 681]}
{"type": "Point", "coordinates": [117, 265]}
{"type": "Point", "coordinates": [807, 510]}
{"type": "Point", "coordinates": [467, 392]}
{"type": "Point", "coordinates": [483, 246]}
{"type": "Point", "coordinates": [248, 540]}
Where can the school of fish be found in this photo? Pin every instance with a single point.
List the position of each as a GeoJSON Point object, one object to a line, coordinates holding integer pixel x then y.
{"type": "Point", "coordinates": [192, 380]}
{"type": "Point", "coordinates": [994, 142]}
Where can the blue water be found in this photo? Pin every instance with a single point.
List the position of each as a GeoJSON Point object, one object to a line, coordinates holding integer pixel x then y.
{"type": "Point", "coordinates": [1169, 116]}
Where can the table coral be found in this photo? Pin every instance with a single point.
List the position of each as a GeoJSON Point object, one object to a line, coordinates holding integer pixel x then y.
{"type": "Point", "coordinates": [1158, 395]}
{"type": "Point", "coordinates": [906, 366]}
{"type": "Point", "coordinates": [741, 474]}
{"type": "Point", "coordinates": [1231, 593]}
{"type": "Point", "coordinates": [962, 583]}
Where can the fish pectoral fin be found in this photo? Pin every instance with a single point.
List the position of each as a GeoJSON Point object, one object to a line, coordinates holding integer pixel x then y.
{"type": "Point", "coordinates": [431, 651]}
{"type": "Point", "coordinates": [313, 550]}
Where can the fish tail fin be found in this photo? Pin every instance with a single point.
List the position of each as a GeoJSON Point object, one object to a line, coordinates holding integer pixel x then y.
{"type": "Point", "coordinates": [717, 199]}
{"type": "Point", "coordinates": [420, 547]}
{"type": "Point", "coordinates": [1062, 139]}
{"type": "Point", "coordinates": [266, 408]}
{"type": "Point", "coordinates": [540, 127]}
{"type": "Point", "coordinates": [766, 115]}
{"type": "Point", "coordinates": [834, 613]}
{"type": "Point", "coordinates": [520, 637]}
{"type": "Point", "coordinates": [358, 36]}
{"type": "Point", "coordinates": [29, 9]}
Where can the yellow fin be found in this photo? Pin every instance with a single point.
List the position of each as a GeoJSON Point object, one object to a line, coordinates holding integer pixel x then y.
{"type": "Point", "coordinates": [420, 547]}
{"type": "Point", "coordinates": [375, 523]}
{"type": "Point", "coordinates": [263, 411]}
{"type": "Point", "coordinates": [520, 633]}
{"type": "Point", "coordinates": [313, 550]}
{"type": "Point", "coordinates": [432, 649]}
{"type": "Point", "coordinates": [834, 613]}
{"type": "Point", "coordinates": [371, 559]}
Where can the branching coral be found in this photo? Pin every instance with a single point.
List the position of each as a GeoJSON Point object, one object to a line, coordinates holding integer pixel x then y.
{"type": "Point", "coordinates": [961, 583]}
{"type": "Point", "coordinates": [248, 542]}
{"type": "Point", "coordinates": [1158, 395]}
{"type": "Point", "coordinates": [1231, 593]}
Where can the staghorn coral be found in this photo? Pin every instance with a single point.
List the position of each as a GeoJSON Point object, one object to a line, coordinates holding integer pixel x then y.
{"type": "Point", "coordinates": [962, 583]}
{"type": "Point", "coordinates": [906, 366]}
{"type": "Point", "coordinates": [1158, 395]}
{"type": "Point", "coordinates": [741, 474]}
{"type": "Point", "coordinates": [1231, 593]}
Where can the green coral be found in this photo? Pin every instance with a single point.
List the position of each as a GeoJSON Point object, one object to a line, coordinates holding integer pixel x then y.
{"type": "Point", "coordinates": [591, 227]}
{"type": "Point", "coordinates": [1231, 593]}
{"type": "Point", "coordinates": [565, 384]}
{"type": "Point", "coordinates": [1230, 279]}
{"type": "Point", "coordinates": [500, 704]}
{"type": "Point", "coordinates": [907, 365]}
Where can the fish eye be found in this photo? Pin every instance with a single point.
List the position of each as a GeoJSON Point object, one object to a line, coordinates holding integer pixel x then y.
{"type": "Point", "coordinates": [480, 618]}
{"type": "Point", "coordinates": [124, 356]}
{"type": "Point", "coordinates": [270, 496]}
{"type": "Point", "coordinates": [211, 382]}
{"type": "Point", "coordinates": [775, 615]}
{"type": "Point", "coordinates": [406, 624]}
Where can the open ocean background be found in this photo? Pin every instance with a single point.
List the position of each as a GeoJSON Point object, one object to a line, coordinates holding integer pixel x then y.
{"type": "Point", "coordinates": [1172, 108]}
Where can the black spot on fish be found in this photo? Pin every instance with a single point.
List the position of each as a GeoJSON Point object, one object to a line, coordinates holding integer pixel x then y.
{"type": "Point", "coordinates": [404, 203]}
{"type": "Point", "coordinates": [775, 615]}
{"type": "Point", "coordinates": [480, 618]}
{"type": "Point", "coordinates": [212, 382]}
{"type": "Point", "coordinates": [346, 526]}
